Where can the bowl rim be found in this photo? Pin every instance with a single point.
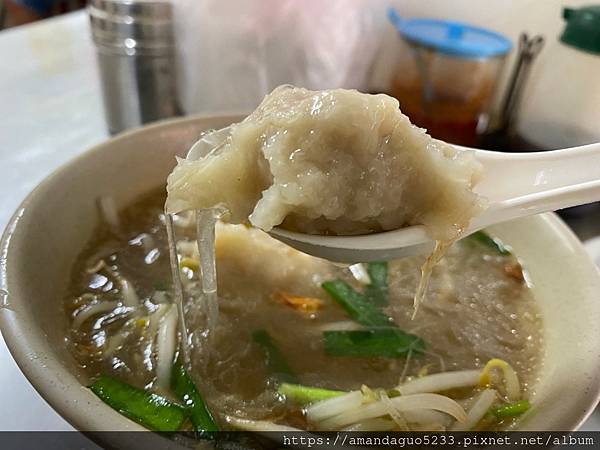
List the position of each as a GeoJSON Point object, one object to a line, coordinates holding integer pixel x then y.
{"type": "Point", "coordinates": [14, 331]}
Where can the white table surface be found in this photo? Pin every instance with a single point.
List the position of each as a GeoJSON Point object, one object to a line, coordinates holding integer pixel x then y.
{"type": "Point", "coordinates": [50, 111]}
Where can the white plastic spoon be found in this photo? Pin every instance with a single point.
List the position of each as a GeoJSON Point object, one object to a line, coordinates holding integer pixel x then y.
{"type": "Point", "coordinates": [515, 185]}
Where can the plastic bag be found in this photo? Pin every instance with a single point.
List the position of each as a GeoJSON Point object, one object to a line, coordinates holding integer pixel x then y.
{"type": "Point", "coordinates": [232, 53]}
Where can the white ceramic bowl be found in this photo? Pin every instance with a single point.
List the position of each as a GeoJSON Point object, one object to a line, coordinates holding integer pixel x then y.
{"type": "Point", "coordinates": [53, 224]}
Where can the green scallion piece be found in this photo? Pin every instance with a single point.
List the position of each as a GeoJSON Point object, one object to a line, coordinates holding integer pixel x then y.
{"type": "Point", "coordinates": [488, 241]}
{"type": "Point", "coordinates": [377, 342]}
{"type": "Point", "coordinates": [185, 389]}
{"type": "Point", "coordinates": [150, 410]}
{"type": "Point", "coordinates": [377, 291]}
{"type": "Point", "coordinates": [394, 393]}
{"type": "Point", "coordinates": [305, 395]}
{"type": "Point", "coordinates": [358, 307]}
{"type": "Point", "coordinates": [276, 361]}
{"type": "Point", "coordinates": [512, 410]}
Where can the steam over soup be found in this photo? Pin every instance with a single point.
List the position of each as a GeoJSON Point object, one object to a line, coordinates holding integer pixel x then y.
{"type": "Point", "coordinates": [300, 343]}
{"type": "Point", "coordinates": [337, 161]}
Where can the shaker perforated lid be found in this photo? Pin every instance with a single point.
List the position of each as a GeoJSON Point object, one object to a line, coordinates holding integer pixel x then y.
{"type": "Point", "coordinates": [135, 10]}
{"type": "Point", "coordinates": [132, 25]}
{"type": "Point", "coordinates": [452, 38]}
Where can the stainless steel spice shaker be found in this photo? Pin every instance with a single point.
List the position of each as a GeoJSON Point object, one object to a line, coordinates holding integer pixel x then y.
{"type": "Point", "coordinates": [136, 55]}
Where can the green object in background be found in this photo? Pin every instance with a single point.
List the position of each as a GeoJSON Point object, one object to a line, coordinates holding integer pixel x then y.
{"type": "Point", "coordinates": [583, 28]}
{"type": "Point", "coordinates": [377, 342]}
{"type": "Point", "coordinates": [305, 395]}
{"type": "Point", "coordinates": [276, 362]}
{"type": "Point", "coordinates": [188, 393]}
{"type": "Point", "coordinates": [148, 409]}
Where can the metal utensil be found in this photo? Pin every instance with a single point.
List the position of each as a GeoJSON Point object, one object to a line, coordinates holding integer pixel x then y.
{"type": "Point", "coordinates": [528, 50]}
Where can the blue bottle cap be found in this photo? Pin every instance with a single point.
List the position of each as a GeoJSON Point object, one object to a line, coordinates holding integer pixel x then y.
{"type": "Point", "coordinates": [451, 38]}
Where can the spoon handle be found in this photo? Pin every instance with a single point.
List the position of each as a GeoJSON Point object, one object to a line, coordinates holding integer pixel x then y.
{"type": "Point", "coordinates": [522, 184]}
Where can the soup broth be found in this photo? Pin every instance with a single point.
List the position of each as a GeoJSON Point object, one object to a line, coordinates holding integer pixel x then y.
{"type": "Point", "coordinates": [272, 307]}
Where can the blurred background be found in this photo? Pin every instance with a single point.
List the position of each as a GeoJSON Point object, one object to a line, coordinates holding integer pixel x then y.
{"type": "Point", "coordinates": [515, 75]}
{"type": "Point", "coordinates": [510, 75]}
